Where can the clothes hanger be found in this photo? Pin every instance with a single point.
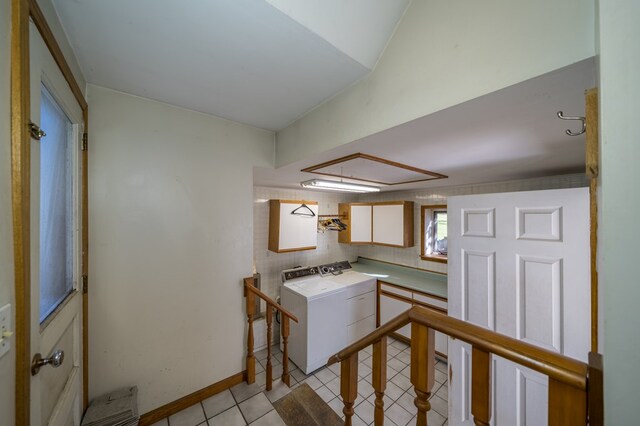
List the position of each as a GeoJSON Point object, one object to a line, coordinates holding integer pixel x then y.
{"type": "Point", "coordinates": [303, 206]}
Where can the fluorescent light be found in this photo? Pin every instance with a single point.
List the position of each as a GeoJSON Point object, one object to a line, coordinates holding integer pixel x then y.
{"type": "Point", "coordinates": [334, 185]}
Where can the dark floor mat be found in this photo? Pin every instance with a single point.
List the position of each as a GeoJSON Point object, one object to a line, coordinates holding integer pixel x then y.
{"type": "Point", "coordinates": [302, 406]}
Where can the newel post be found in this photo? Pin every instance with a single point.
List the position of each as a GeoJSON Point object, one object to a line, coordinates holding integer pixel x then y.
{"type": "Point", "coordinates": [567, 404]}
{"type": "Point", "coordinates": [422, 365]}
{"type": "Point", "coordinates": [251, 359]}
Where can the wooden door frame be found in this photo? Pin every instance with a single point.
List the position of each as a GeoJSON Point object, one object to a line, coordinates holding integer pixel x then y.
{"type": "Point", "coordinates": [21, 11]}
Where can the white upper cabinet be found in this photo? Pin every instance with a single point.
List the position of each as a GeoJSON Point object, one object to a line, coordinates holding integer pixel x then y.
{"type": "Point", "coordinates": [293, 225]}
{"type": "Point", "coordinates": [360, 223]}
{"type": "Point", "coordinates": [386, 223]}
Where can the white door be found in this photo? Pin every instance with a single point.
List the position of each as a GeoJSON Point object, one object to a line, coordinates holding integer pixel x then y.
{"type": "Point", "coordinates": [518, 265]}
{"type": "Point", "coordinates": [56, 302]}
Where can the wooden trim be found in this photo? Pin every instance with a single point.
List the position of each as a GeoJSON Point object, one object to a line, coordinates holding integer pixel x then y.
{"type": "Point", "coordinates": [592, 170]}
{"type": "Point", "coordinates": [396, 296]}
{"type": "Point", "coordinates": [591, 122]}
{"type": "Point", "coordinates": [428, 306]}
{"type": "Point", "coordinates": [50, 40]}
{"type": "Point", "coordinates": [593, 252]}
{"type": "Point", "coordinates": [20, 196]}
{"type": "Point", "coordinates": [85, 265]}
{"type": "Point", "coordinates": [193, 398]}
{"type": "Point", "coordinates": [294, 249]}
{"type": "Point", "coordinates": [437, 259]}
{"type": "Point", "coordinates": [408, 225]}
{"type": "Point", "coordinates": [378, 291]}
{"type": "Point", "coordinates": [423, 293]}
{"type": "Point", "coordinates": [404, 266]}
{"type": "Point", "coordinates": [558, 367]}
{"type": "Point", "coordinates": [274, 225]}
{"type": "Point", "coordinates": [248, 285]}
{"type": "Point", "coordinates": [384, 330]}
{"type": "Point", "coordinates": [315, 168]}
{"type": "Point", "coordinates": [313, 203]}
{"type": "Point", "coordinates": [595, 395]}
{"type": "Point", "coordinates": [20, 152]}
{"type": "Point", "coordinates": [423, 244]}
{"type": "Point", "coordinates": [413, 301]}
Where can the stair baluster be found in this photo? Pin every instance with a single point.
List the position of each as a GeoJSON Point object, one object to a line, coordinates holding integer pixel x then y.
{"type": "Point", "coordinates": [480, 386]}
{"type": "Point", "coordinates": [379, 378]}
{"type": "Point", "coordinates": [269, 338]}
{"type": "Point", "coordinates": [422, 366]}
{"type": "Point", "coordinates": [349, 385]}
{"type": "Point", "coordinates": [284, 331]}
{"type": "Point", "coordinates": [251, 359]}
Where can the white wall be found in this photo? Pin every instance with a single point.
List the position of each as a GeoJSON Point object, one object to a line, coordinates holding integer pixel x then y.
{"type": "Point", "coordinates": [444, 53]}
{"type": "Point", "coordinates": [170, 219]}
{"type": "Point", "coordinates": [7, 362]}
{"type": "Point", "coordinates": [619, 203]}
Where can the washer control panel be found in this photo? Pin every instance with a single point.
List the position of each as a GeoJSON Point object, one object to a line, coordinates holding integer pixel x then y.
{"type": "Point", "coordinates": [334, 268]}
{"type": "Point", "coordinates": [300, 272]}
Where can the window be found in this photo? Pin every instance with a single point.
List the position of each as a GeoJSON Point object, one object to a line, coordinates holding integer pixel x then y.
{"type": "Point", "coordinates": [434, 233]}
{"type": "Point", "coordinates": [56, 206]}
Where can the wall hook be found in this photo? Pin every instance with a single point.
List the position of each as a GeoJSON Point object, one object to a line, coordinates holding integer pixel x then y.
{"type": "Point", "coordinates": [569, 132]}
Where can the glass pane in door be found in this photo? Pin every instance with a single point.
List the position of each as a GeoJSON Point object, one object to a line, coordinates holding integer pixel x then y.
{"type": "Point", "coordinates": [56, 205]}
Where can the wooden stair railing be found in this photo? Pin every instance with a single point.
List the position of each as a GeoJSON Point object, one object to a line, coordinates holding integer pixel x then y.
{"type": "Point", "coordinates": [250, 293]}
{"type": "Point", "coordinates": [575, 388]}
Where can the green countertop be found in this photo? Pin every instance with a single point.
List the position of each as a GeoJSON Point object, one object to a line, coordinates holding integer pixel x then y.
{"type": "Point", "coordinates": [411, 278]}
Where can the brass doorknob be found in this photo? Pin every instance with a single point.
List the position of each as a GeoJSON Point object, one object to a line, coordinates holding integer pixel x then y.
{"type": "Point", "coordinates": [55, 360]}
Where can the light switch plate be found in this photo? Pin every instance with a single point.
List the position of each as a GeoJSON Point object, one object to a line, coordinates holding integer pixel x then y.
{"type": "Point", "coordinates": [5, 325]}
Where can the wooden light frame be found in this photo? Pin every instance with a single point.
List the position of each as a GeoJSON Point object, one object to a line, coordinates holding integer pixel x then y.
{"type": "Point", "coordinates": [21, 11]}
{"type": "Point", "coordinates": [431, 175]}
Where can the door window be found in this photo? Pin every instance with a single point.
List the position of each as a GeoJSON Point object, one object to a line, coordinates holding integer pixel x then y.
{"type": "Point", "coordinates": [56, 205]}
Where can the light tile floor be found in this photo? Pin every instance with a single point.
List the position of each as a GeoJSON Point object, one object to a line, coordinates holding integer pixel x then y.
{"type": "Point", "coordinates": [252, 404]}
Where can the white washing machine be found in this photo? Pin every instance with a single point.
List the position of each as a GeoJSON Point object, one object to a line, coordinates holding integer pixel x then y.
{"type": "Point", "coordinates": [328, 305]}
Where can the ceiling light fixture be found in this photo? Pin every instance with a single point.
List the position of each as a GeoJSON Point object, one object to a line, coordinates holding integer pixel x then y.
{"type": "Point", "coordinates": [333, 185]}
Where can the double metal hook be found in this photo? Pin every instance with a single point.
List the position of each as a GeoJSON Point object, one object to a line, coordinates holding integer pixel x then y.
{"type": "Point", "coordinates": [569, 132]}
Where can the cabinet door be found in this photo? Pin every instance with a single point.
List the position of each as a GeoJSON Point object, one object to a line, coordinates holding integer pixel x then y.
{"type": "Point", "coordinates": [360, 224]}
{"type": "Point", "coordinates": [391, 308]}
{"type": "Point", "coordinates": [297, 231]}
{"type": "Point", "coordinates": [388, 224]}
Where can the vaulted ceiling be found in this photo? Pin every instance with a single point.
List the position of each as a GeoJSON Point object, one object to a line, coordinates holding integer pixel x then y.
{"type": "Point", "coordinates": [260, 62]}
